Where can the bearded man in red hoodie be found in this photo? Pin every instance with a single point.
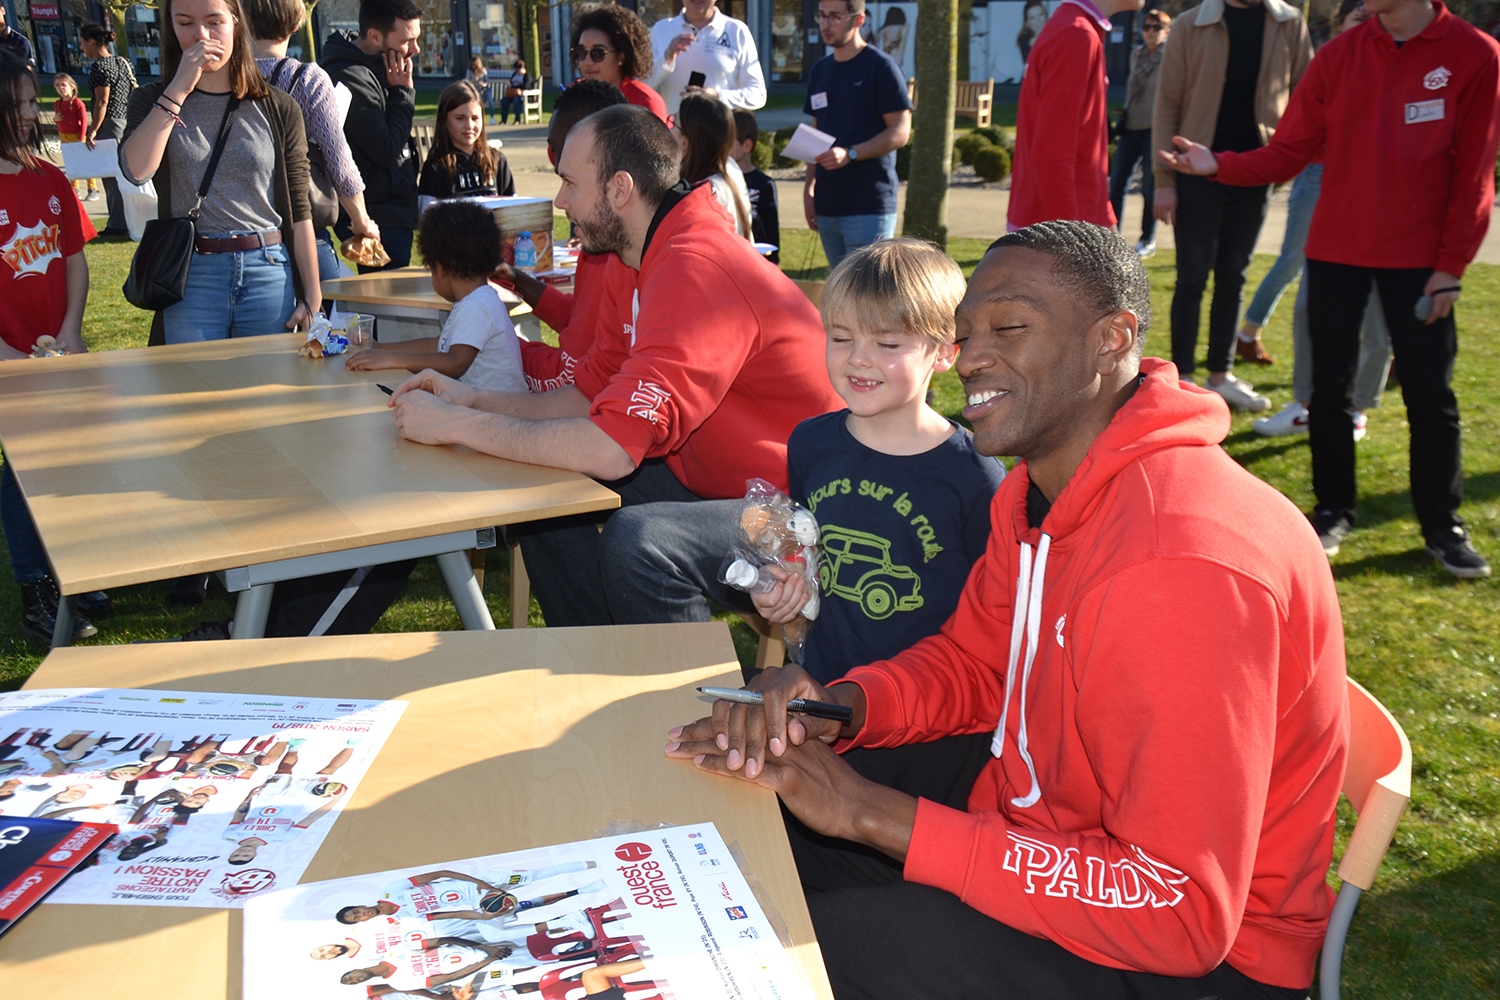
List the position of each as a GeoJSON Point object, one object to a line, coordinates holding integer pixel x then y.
{"type": "Point", "coordinates": [697, 374]}
{"type": "Point", "coordinates": [1155, 821]}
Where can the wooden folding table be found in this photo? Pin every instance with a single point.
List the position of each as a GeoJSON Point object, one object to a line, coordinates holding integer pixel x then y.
{"type": "Point", "coordinates": [512, 740]}
{"type": "Point", "coordinates": [239, 456]}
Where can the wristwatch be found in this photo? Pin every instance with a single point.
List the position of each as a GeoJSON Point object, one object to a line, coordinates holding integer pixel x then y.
{"type": "Point", "coordinates": [853, 154]}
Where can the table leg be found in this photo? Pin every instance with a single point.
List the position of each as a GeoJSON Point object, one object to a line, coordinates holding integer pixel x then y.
{"type": "Point", "coordinates": [251, 612]}
{"type": "Point", "coordinates": [467, 596]}
{"type": "Point", "coordinates": [520, 587]}
{"type": "Point", "coordinates": [62, 626]}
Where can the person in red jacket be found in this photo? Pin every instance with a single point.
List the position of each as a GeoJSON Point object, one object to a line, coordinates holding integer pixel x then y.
{"type": "Point", "coordinates": [693, 390]}
{"type": "Point", "coordinates": [1405, 109]}
{"type": "Point", "coordinates": [1062, 122]}
{"type": "Point", "coordinates": [576, 316]}
{"type": "Point", "coordinates": [1157, 821]}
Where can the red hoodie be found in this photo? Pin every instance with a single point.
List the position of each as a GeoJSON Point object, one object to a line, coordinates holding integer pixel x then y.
{"type": "Point", "coordinates": [598, 281]}
{"type": "Point", "coordinates": [1173, 707]}
{"type": "Point", "coordinates": [1062, 126]}
{"type": "Point", "coordinates": [721, 359]}
{"type": "Point", "coordinates": [1408, 138]}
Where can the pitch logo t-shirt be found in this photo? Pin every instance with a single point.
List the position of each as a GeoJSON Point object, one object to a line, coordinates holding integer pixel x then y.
{"type": "Point", "coordinates": [41, 225]}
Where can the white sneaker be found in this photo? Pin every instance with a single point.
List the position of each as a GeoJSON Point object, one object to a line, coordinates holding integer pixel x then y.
{"type": "Point", "coordinates": [1239, 394]}
{"type": "Point", "coordinates": [1291, 420]}
{"type": "Point", "coordinates": [1361, 424]}
{"type": "Point", "coordinates": [93, 196]}
{"type": "Point", "coordinates": [1144, 249]}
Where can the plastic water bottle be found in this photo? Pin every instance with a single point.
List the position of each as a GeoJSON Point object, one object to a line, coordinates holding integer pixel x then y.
{"type": "Point", "coordinates": [526, 254]}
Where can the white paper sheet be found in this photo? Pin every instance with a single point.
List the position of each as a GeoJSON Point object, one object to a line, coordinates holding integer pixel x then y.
{"type": "Point", "coordinates": [80, 163]}
{"type": "Point", "coordinates": [807, 143]}
{"type": "Point", "coordinates": [342, 98]}
{"type": "Point", "coordinates": [217, 796]}
{"type": "Point", "coordinates": [666, 911]}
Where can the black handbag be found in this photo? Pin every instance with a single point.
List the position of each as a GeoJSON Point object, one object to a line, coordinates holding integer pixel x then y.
{"type": "Point", "coordinates": [159, 269]}
{"type": "Point", "coordinates": [321, 193]}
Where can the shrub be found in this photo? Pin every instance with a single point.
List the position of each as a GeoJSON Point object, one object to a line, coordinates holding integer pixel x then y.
{"type": "Point", "coordinates": [996, 135]}
{"type": "Point", "coordinates": [903, 160]}
{"type": "Point", "coordinates": [762, 154]}
{"type": "Point", "coordinates": [968, 144]}
{"type": "Point", "coordinates": [992, 163]}
{"type": "Point", "coordinates": [779, 139]}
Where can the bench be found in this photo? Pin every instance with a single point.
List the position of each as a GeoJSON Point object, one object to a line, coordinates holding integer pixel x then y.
{"type": "Point", "coordinates": [972, 100]}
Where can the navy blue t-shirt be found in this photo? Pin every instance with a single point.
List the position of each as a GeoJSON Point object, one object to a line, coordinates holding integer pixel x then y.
{"type": "Point", "coordinates": [849, 100]}
{"type": "Point", "coordinates": [899, 534]}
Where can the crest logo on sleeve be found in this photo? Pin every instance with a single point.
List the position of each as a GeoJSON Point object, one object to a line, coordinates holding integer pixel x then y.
{"type": "Point", "coordinates": [1438, 78]}
{"type": "Point", "coordinates": [55, 205]}
{"type": "Point", "coordinates": [32, 250]}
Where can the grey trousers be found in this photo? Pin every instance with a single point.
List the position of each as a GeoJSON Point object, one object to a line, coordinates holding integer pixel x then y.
{"type": "Point", "coordinates": [656, 559]}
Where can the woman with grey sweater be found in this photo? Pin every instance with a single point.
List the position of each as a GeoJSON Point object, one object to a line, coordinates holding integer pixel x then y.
{"type": "Point", "coordinates": [255, 266]}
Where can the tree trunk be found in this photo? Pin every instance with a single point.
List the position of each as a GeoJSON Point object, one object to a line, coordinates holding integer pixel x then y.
{"type": "Point", "coordinates": [531, 48]}
{"type": "Point", "coordinates": [932, 123]}
{"type": "Point", "coordinates": [311, 53]}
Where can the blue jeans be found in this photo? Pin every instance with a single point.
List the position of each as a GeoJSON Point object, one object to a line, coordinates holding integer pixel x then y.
{"type": "Point", "coordinates": [843, 233]}
{"type": "Point", "coordinates": [28, 560]}
{"type": "Point", "coordinates": [328, 258]}
{"type": "Point", "coordinates": [240, 294]}
{"type": "Point", "coordinates": [1134, 146]}
{"type": "Point", "coordinates": [507, 104]}
{"type": "Point", "coordinates": [1299, 210]}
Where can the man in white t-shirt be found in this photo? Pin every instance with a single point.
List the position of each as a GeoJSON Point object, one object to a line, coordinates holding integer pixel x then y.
{"type": "Point", "coordinates": [703, 39]}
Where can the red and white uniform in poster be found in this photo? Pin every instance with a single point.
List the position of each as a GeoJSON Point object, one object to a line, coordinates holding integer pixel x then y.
{"type": "Point", "coordinates": [41, 225]}
{"type": "Point", "coordinates": [419, 966]}
{"type": "Point", "coordinates": [284, 807]}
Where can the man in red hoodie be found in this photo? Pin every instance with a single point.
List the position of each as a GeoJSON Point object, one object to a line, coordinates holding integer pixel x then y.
{"type": "Point", "coordinates": [1405, 111]}
{"type": "Point", "coordinates": [1156, 821]}
{"type": "Point", "coordinates": [1062, 120]}
{"type": "Point", "coordinates": [693, 389]}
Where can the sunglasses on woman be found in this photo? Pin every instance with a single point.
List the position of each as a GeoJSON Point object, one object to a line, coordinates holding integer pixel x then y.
{"type": "Point", "coordinates": [594, 54]}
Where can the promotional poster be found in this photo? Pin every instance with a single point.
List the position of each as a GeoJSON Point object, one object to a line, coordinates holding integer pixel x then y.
{"type": "Point", "coordinates": [656, 915]}
{"type": "Point", "coordinates": [217, 797]}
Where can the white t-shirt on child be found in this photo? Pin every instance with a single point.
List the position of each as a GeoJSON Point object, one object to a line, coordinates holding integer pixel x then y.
{"type": "Point", "coordinates": [481, 320]}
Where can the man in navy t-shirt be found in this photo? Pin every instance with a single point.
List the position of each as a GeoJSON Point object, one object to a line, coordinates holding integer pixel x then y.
{"type": "Point", "coordinates": [858, 96]}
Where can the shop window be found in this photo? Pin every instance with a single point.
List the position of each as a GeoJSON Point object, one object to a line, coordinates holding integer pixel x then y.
{"type": "Point", "coordinates": [493, 35]}
{"type": "Point", "coordinates": [786, 40]}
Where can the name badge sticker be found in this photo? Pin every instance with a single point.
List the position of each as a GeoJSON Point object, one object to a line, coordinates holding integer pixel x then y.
{"type": "Point", "coordinates": [1424, 111]}
{"type": "Point", "coordinates": [820, 101]}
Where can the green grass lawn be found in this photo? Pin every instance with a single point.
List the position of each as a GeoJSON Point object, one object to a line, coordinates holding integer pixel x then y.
{"type": "Point", "coordinates": [1424, 643]}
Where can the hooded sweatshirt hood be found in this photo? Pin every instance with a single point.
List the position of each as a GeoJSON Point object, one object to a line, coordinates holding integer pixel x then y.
{"type": "Point", "coordinates": [1170, 608]}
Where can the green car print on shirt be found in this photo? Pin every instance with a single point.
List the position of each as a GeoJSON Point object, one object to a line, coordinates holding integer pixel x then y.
{"type": "Point", "coordinates": [857, 567]}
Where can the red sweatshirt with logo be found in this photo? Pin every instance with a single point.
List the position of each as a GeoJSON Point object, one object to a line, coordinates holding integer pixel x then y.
{"type": "Point", "coordinates": [600, 279]}
{"type": "Point", "coordinates": [719, 357]}
{"type": "Point", "coordinates": [1062, 125]}
{"type": "Point", "coordinates": [1164, 662]}
{"type": "Point", "coordinates": [1408, 138]}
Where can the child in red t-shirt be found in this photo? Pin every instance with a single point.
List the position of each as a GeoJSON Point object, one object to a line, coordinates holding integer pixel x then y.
{"type": "Point", "coordinates": [44, 283]}
{"type": "Point", "coordinates": [72, 120]}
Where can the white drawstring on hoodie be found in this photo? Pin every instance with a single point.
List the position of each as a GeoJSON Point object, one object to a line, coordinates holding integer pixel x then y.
{"type": "Point", "coordinates": [1028, 597]}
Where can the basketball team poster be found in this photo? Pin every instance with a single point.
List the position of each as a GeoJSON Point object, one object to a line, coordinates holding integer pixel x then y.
{"type": "Point", "coordinates": [658, 915]}
{"type": "Point", "coordinates": [217, 796]}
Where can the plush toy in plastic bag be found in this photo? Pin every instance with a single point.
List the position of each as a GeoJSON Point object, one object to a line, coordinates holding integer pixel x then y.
{"type": "Point", "coordinates": [775, 531]}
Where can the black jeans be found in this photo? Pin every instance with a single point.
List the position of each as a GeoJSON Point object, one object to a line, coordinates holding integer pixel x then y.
{"type": "Point", "coordinates": [656, 559]}
{"type": "Point", "coordinates": [1217, 226]}
{"type": "Point", "coordinates": [912, 942]}
{"type": "Point", "coordinates": [1133, 146]}
{"type": "Point", "coordinates": [1336, 297]}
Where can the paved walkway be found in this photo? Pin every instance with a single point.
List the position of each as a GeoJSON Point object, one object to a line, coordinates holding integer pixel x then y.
{"type": "Point", "coordinates": [976, 212]}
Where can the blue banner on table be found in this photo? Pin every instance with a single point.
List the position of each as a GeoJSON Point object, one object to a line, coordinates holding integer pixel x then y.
{"type": "Point", "coordinates": [37, 854]}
